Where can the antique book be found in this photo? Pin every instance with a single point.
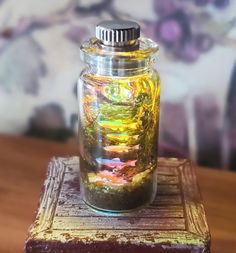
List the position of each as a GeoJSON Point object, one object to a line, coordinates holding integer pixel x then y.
{"type": "Point", "coordinates": [174, 222]}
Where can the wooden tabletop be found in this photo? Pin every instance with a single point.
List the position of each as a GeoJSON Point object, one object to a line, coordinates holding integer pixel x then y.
{"type": "Point", "coordinates": [23, 165]}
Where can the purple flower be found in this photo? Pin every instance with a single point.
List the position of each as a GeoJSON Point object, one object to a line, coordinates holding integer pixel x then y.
{"type": "Point", "coordinates": [203, 42]}
{"type": "Point", "coordinates": [170, 31]}
{"type": "Point", "coordinates": [174, 30]}
{"type": "Point", "coordinates": [189, 53]}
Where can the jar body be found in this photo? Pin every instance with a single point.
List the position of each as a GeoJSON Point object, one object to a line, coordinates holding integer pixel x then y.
{"type": "Point", "coordinates": [118, 136]}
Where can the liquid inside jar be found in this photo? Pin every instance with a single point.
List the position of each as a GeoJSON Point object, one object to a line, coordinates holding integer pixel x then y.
{"type": "Point", "coordinates": [118, 128]}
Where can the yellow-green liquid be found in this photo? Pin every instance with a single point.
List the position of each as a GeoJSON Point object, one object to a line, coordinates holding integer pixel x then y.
{"type": "Point", "coordinates": [118, 127]}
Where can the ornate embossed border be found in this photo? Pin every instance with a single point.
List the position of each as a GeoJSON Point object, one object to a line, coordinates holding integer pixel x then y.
{"type": "Point", "coordinates": [197, 232]}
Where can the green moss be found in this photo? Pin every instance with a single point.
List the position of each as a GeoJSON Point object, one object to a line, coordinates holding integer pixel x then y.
{"type": "Point", "coordinates": [122, 198]}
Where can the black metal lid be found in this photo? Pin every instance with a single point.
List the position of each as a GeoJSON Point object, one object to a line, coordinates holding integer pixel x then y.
{"type": "Point", "coordinates": [117, 32]}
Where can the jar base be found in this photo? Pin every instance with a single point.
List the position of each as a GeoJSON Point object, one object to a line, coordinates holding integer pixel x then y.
{"type": "Point", "coordinates": [123, 199]}
{"type": "Point", "coordinates": [110, 212]}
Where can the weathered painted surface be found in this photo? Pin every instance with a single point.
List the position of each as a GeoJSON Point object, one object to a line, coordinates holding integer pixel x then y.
{"type": "Point", "coordinates": [174, 222]}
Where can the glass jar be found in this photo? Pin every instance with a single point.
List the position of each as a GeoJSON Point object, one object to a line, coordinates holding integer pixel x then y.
{"type": "Point", "coordinates": [119, 99]}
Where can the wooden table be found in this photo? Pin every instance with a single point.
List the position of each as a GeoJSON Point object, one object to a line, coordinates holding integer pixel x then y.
{"type": "Point", "coordinates": [23, 164]}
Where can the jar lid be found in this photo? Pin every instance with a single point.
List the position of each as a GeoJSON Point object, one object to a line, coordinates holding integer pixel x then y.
{"type": "Point", "coordinates": [117, 32]}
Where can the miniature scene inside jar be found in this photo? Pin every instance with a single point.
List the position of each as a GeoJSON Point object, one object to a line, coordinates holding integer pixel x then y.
{"type": "Point", "coordinates": [118, 128]}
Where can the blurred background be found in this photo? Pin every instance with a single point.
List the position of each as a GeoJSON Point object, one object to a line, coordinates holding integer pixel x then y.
{"type": "Point", "coordinates": [40, 65]}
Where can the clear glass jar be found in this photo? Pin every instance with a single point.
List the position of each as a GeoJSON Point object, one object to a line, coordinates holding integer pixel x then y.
{"type": "Point", "coordinates": [119, 99]}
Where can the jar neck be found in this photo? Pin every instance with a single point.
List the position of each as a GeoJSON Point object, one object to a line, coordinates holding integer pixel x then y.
{"type": "Point", "coordinates": [119, 63]}
{"type": "Point", "coordinates": [121, 68]}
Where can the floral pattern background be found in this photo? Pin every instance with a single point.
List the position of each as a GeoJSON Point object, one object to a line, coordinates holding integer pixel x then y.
{"type": "Point", "coordinates": [40, 64]}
